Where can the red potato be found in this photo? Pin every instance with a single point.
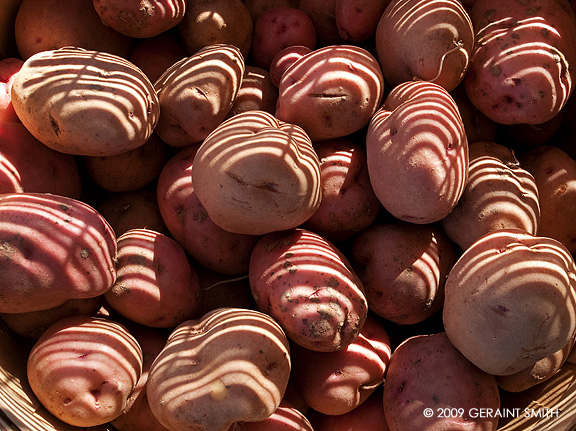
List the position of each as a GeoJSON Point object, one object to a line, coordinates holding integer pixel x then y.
{"type": "Point", "coordinates": [403, 268]}
{"type": "Point", "coordinates": [323, 15]}
{"type": "Point", "coordinates": [510, 301]}
{"type": "Point", "coordinates": [335, 383]}
{"type": "Point", "coordinates": [285, 418]}
{"type": "Point", "coordinates": [129, 171]}
{"type": "Point", "coordinates": [83, 369]}
{"type": "Point", "coordinates": [331, 92]}
{"type": "Point", "coordinates": [427, 372]}
{"type": "Point", "coordinates": [417, 152]}
{"type": "Point", "coordinates": [212, 22]}
{"type": "Point", "coordinates": [138, 19]}
{"type": "Point", "coordinates": [278, 28]}
{"type": "Point", "coordinates": [256, 92]}
{"type": "Point", "coordinates": [155, 285]}
{"type": "Point", "coordinates": [43, 25]}
{"type": "Point", "coordinates": [357, 20]}
{"type": "Point", "coordinates": [284, 59]}
{"type": "Point", "coordinates": [348, 204]}
{"type": "Point", "coordinates": [424, 40]}
{"type": "Point", "coordinates": [154, 55]}
{"type": "Point", "coordinates": [509, 80]}
{"type": "Point", "coordinates": [8, 69]}
{"type": "Point", "coordinates": [230, 366]}
{"type": "Point", "coordinates": [478, 126]}
{"type": "Point", "coordinates": [85, 103]}
{"type": "Point", "coordinates": [188, 221]}
{"type": "Point", "coordinates": [196, 93]}
{"type": "Point", "coordinates": [307, 284]}
{"type": "Point", "coordinates": [54, 249]}
{"type": "Point", "coordinates": [258, 7]}
{"type": "Point", "coordinates": [48, 171]}
{"type": "Point", "coordinates": [255, 174]}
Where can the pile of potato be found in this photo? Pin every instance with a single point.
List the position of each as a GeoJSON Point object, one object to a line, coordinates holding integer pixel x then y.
{"type": "Point", "coordinates": [225, 215]}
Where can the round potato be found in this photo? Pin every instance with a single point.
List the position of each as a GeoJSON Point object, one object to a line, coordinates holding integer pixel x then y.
{"type": "Point", "coordinates": [85, 102]}
{"type": "Point", "coordinates": [257, 92]}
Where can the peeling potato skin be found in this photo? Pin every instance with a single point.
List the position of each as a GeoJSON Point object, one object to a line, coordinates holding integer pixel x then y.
{"type": "Point", "coordinates": [308, 286]}
{"type": "Point", "coordinates": [232, 361]}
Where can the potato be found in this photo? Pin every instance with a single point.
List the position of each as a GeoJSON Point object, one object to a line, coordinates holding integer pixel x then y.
{"type": "Point", "coordinates": [554, 172]}
{"type": "Point", "coordinates": [53, 249]}
{"type": "Point", "coordinates": [335, 383]}
{"type": "Point", "coordinates": [307, 284]}
{"type": "Point", "coordinates": [48, 171]}
{"type": "Point", "coordinates": [85, 102]}
{"type": "Point", "coordinates": [155, 285]}
{"type": "Point", "coordinates": [193, 385]}
{"type": "Point", "coordinates": [323, 15]}
{"type": "Point", "coordinates": [417, 152]}
{"type": "Point", "coordinates": [45, 25]}
{"type": "Point", "coordinates": [285, 418]}
{"type": "Point", "coordinates": [403, 268]}
{"type": "Point", "coordinates": [255, 174]}
{"type": "Point", "coordinates": [258, 7]}
{"type": "Point", "coordinates": [331, 92]}
{"type": "Point", "coordinates": [196, 93]}
{"type": "Point", "coordinates": [212, 22]}
{"type": "Point", "coordinates": [499, 194]}
{"type": "Point", "coordinates": [134, 18]}
{"type": "Point", "coordinates": [478, 126]}
{"type": "Point", "coordinates": [188, 221]}
{"type": "Point", "coordinates": [278, 28]}
{"type": "Point", "coordinates": [510, 81]}
{"type": "Point", "coordinates": [427, 372]}
{"type": "Point", "coordinates": [9, 67]}
{"type": "Point", "coordinates": [435, 46]}
{"type": "Point", "coordinates": [284, 59]}
{"type": "Point", "coordinates": [510, 301]}
{"type": "Point", "coordinates": [256, 93]}
{"type": "Point", "coordinates": [83, 369]}
{"type": "Point", "coordinates": [357, 20]}
{"type": "Point", "coordinates": [348, 204]}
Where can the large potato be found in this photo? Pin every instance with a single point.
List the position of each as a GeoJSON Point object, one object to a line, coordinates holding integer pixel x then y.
{"type": "Point", "coordinates": [510, 301]}
{"type": "Point", "coordinates": [232, 365]}
{"type": "Point", "coordinates": [84, 102]}
{"type": "Point", "coordinates": [420, 39]}
{"type": "Point", "coordinates": [256, 174]}
{"type": "Point", "coordinates": [309, 287]}
{"type": "Point", "coordinates": [331, 92]}
{"type": "Point", "coordinates": [83, 369]}
{"type": "Point", "coordinates": [508, 79]}
{"type": "Point", "coordinates": [52, 249]}
{"type": "Point", "coordinates": [417, 152]}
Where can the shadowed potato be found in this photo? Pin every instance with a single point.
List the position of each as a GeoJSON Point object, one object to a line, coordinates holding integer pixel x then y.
{"type": "Point", "coordinates": [232, 365]}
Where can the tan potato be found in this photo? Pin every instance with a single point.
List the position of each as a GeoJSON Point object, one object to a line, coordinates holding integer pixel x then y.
{"type": "Point", "coordinates": [86, 103]}
{"type": "Point", "coordinates": [510, 301]}
{"type": "Point", "coordinates": [232, 365]}
{"type": "Point", "coordinates": [196, 93]}
{"type": "Point", "coordinates": [83, 369]}
{"type": "Point", "coordinates": [256, 174]}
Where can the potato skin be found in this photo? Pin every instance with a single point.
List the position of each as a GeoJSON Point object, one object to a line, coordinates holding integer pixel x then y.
{"type": "Point", "coordinates": [84, 102]}
{"type": "Point", "coordinates": [52, 249]}
{"type": "Point", "coordinates": [194, 386]}
{"type": "Point", "coordinates": [426, 371]}
{"type": "Point", "coordinates": [309, 287]}
{"type": "Point", "coordinates": [83, 369]}
{"type": "Point", "coordinates": [510, 301]}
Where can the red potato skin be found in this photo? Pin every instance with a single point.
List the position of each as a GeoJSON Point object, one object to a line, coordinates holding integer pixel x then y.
{"type": "Point", "coordinates": [8, 69]}
{"type": "Point", "coordinates": [323, 15]}
{"type": "Point", "coordinates": [278, 28]}
{"type": "Point", "coordinates": [284, 59]}
{"type": "Point", "coordinates": [357, 20]}
{"type": "Point", "coordinates": [54, 249]}
{"type": "Point", "coordinates": [285, 418]}
{"type": "Point", "coordinates": [309, 287]}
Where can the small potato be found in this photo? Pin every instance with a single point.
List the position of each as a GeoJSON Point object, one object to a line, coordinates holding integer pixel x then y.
{"type": "Point", "coordinates": [53, 249]}
{"type": "Point", "coordinates": [417, 152]}
{"type": "Point", "coordinates": [510, 301]}
{"type": "Point", "coordinates": [278, 28]}
{"type": "Point", "coordinates": [331, 92]}
{"type": "Point", "coordinates": [196, 93]}
{"type": "Point", "coordinates": [155, 285]}
{"type": "Point", "coordinates": [309, 287]}
{"type": "Point", "coordinates": [499, 194]}
{"type": "Point", "coordinates": [83, 369]}
{"type": "Point", "coordinates": [427, 372]}
{"type": "Point", "coordinates": [138, 19]}
{"type": "Point", "coordinates": [256, 92]}
{"type": "Point", "coordinates": [256, 174]}
{"type": "Point", "coordinates": [85, 103]}
{"type": "Point", "coordinates": [232, 365]}
{"type": "Point", "coordinates": [8, 69]}
{"type": "Point", "coordinates": [424, 40]}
